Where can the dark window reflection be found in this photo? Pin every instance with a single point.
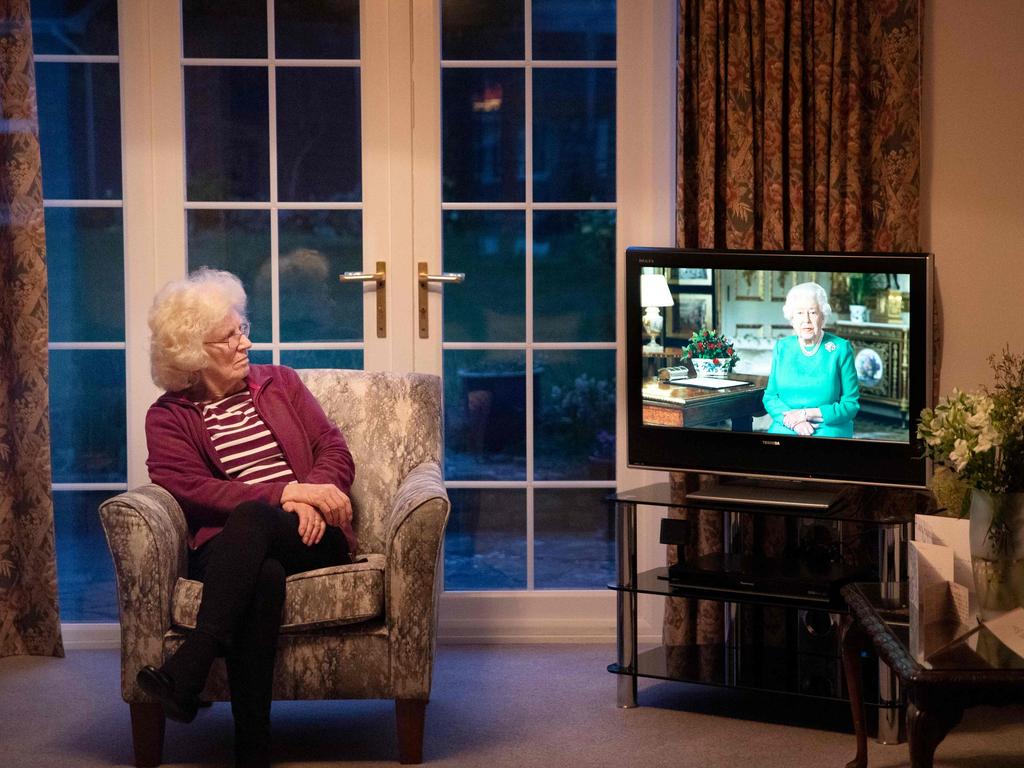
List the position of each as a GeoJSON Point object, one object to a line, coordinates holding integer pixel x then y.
{"type": "Point", "coordinates": [574, 432]}
{"type": "Point", "coordinates": [318, 134]}
{"type": "Point", "coordinates": [79, 130]}
{"type": "Point", "coordinates": [573, 539]}
{"type": "Point", "coordinates": [575, 30]}
{"type": "Point", "coordinates": [485, 540]}
{"type": "Point", "coordinates": [574, 135]}
{"type": "Point", "coordinates": [238, 241]}
{"type": "Point", "coordinates": [316, 247]}
{"type": "Point", "coordinates": [85, 570]}
{"type": "Point", "coordinates": [577, 249]}
{"type": "Point", "coordinates": [87, 416]}
{"type": "Point", "coordinates": [483, 137]}
{"type": "Point", "coordinates": [485, 414]}
{"type": "Point", "coordinates": [81, 27]}
{"type": "Point", "coordinates": [85, 273]}
{"type": "Point", "coordinates": [467, 33]}
{"type": "Point", "coordinates": [490, 248]}
{"type": "Point", "coordinates": [225, 29]}
{"type": "Point", "coordinates": [316, 29]}
{"type": "Point", "coordinates": [323, 358]}
{"type": "Point", "coordinates": [226, 135]}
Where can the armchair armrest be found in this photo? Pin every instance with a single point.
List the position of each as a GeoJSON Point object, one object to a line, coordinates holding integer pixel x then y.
{"type": "Point", "coordinates": [415, 530]}
{"type": "Point", "coordinates": [147, 536]}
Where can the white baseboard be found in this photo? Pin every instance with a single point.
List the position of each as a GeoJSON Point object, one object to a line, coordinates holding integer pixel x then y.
{"type": "Point", "coordinates": [472, 617]}
{"type": "Point", "coordinates": [81, 636]}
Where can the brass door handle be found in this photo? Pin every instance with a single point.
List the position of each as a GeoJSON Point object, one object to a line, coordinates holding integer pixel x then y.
{"type": "Point", "coordinates": [425, 279]}
{"type": "Point", "coordinates": [379, 277]}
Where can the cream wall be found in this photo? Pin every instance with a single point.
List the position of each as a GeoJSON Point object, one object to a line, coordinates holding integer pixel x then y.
{"type": "Point", "coordinates": [972, 202]}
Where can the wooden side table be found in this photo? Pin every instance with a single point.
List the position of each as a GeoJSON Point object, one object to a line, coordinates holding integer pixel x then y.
{"type": "Point", "coordinates": [971, 670]}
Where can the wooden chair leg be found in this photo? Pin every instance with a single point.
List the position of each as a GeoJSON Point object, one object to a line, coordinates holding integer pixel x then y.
{"type": "Point", "coordinates": [148, 734]}
{"type": "Point", "coordinates": [410, 715]}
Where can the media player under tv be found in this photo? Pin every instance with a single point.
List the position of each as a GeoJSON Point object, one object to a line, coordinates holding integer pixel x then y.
{"type": "Point", "coordinates": [785, 578]}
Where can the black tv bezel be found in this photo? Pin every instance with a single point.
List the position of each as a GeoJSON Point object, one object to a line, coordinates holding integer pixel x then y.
{"type": "Point", "coordinates": [757, 454]}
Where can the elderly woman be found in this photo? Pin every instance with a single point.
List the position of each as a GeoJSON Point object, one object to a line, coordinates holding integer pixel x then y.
{"type": "Point", "coordinates": [812, 388]}
{"type": "Point", "coordinates": [263, 478]}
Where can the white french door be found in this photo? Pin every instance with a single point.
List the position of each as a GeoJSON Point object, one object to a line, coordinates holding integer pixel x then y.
{"type": "Point", "coordinates": [524, 166]}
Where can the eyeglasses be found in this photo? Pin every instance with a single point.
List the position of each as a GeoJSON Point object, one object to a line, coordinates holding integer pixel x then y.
{"type": "Point", "coordinates": [235, 338]}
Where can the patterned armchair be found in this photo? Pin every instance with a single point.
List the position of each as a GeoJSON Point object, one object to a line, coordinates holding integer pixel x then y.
{"type": "Point", "coordinates": [365, 630]}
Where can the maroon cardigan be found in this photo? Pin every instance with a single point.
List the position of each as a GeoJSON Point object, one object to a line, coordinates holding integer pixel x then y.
{"type": "Point", "coordinates": [183, 460]}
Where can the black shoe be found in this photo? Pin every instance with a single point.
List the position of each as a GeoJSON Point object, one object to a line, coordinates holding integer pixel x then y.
{"type": "Point", "coordinates": [160, 686]}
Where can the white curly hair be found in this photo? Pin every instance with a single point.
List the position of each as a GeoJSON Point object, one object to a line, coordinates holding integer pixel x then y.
{"type": "Point", "coordinates": [807, 290]}
{"type": "Point", "coordinates": [183, 313]}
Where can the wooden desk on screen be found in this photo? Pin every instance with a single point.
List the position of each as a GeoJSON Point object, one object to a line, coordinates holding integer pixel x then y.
{"type": "Point", "coordinates": [678, 405]}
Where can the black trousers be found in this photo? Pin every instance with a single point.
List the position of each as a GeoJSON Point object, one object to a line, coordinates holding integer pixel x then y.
{"type": "Point", "coordinates": [243, 570]}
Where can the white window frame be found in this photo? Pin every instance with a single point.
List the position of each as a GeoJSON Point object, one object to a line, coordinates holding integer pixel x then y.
{"type": "Point", "coordinates": [402, 225]}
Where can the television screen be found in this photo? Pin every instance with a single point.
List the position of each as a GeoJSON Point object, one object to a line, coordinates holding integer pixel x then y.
{"type": "Point", "coordinates": [772, 364]}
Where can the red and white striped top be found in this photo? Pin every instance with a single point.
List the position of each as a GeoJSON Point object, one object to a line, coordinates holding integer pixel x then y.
{"type": "Point", "coordinates": [244, 445]}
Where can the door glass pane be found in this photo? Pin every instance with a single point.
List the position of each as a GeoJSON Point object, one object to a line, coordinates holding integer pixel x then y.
{"type": "Point", "coordinates": [318, 139]}
{"type": "Point", "coordinates": [85, 273]}
{"type": "Point", "coordinates": [316, 247]}
{"type": "Point", "coordinates": [490, 247]}
{"type": "Point", "coordinates": [485, 540]}
{"type": "Point", "coordinates": [87, 416]}
{"type": "Point", "coordinates": [471, 30]}
{"type": "Point", "coordinates": [574, 135]}
{"type": "Point", "coordinates": [85, 570]}
{"type": "Point", "coordinates": [485, 415]}
{"type": "Point", "coordinates": [79, 130]}
{"type": "Point", "coordinates": [322, 358]}
{"type": "Point", "coordinates": [587, 32]}
{"type": "Point", "coordinates": [574, 539]}
{"type": "Point", "coordinates": [226, 29]}
{"type": "Point", "coordinates": [314, 29]}
{"type": "Point", "coordinates": [227, 155]}
{"type": "Point", "coordinates": [238, 241]}
{"type": "Point", "coordinates": [574, 437]}
{"type": "Point", "coordinates": [482, 135]}
{"type": "Point", "coordinates": [74, 27]}
{"type": "Point", "coordinates": [574, 275]}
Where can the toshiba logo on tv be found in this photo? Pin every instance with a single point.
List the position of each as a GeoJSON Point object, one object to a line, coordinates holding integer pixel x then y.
{"type": "Point", "coordinates": [770, 442]}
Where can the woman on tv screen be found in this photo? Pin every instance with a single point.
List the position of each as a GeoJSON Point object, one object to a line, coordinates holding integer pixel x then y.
{"type": "Point", "coordinates": [812, 388]}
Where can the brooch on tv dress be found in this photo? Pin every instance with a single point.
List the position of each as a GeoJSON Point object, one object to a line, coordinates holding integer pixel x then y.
{"type": "Point", "coordinates": [831, 346]}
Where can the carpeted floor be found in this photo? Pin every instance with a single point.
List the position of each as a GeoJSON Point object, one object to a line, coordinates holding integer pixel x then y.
{"type": "Point", "coordinates": [523, 705]}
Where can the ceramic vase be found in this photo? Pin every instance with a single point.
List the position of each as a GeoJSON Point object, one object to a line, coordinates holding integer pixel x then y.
{"type": "Point", "coordinates": [708, 367]}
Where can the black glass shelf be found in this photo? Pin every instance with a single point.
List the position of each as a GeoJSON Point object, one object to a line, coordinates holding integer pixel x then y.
{"type": "Point", "coordinates": [866, 504]}
{"type": "Point", "coordinates": [757, 668]}
{"type": "Point", "coordinates": [816, 594]}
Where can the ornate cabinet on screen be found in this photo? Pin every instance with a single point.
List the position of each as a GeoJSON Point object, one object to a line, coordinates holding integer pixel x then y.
{"type": "Point", "coordinates": [881, 358]}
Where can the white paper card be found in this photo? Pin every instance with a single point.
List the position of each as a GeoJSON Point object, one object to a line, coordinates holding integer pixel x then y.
{"type": "Point", "coordinates": [931, 571]}
{"type": "Point", "coordinates": [954, 533]}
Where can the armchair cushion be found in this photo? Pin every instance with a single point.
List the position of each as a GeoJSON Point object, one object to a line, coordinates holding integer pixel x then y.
{"type": "Point", "coordinates": [328, 597]}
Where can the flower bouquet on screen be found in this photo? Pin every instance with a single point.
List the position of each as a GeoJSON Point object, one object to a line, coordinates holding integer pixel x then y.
{"type": "Point", "coordinates": [977, 440]}
{"type": "Point", "coordinates": [711, 353]}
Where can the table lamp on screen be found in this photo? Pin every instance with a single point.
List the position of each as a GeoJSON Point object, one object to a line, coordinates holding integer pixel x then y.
{"type": "Point", "coordinates": [654, 294]}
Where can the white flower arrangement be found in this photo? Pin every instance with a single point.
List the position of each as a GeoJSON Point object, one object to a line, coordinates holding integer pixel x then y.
{"type": "Point", "coordinates": [979, 437]}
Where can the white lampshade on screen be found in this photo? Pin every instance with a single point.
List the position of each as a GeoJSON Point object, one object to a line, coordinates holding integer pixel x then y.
{"type": "Point", "coordinates": [654, 293]}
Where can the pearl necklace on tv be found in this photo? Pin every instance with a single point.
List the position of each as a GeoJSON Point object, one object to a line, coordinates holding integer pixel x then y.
{"type": "Point", "coordinates": [811, 350]}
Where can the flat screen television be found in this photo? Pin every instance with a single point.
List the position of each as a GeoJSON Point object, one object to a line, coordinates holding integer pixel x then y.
{"type": "Point", "coordinates": [838, 405]}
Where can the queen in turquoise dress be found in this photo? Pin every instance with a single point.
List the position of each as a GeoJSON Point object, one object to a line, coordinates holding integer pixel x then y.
{"type": "Point", "coordinates": [812, 388]}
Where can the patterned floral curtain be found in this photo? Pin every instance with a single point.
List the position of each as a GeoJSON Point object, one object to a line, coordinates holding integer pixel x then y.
{"type": "Point", "coordinates": [799, 129]}
{"type": "Point", "coordinates": [29, 618]}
